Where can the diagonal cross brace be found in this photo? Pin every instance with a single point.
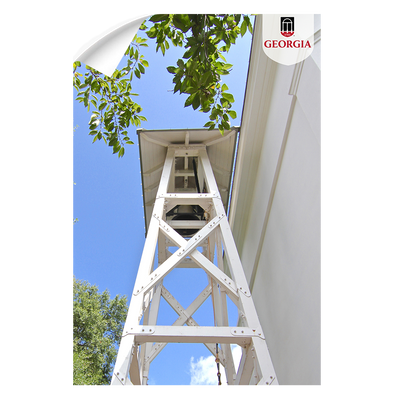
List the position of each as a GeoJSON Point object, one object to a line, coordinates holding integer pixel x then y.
{"type": "Point", "coordinates": [186, 248]}
{"type": "Point", "coordinates": [203, 261]}
{"type": "Point", "coordinates": [185, 316]}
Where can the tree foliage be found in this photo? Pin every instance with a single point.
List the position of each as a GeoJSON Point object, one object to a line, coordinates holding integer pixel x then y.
{"type": "Point", "coordinates": [97, 327]}
{"type": "Point", "coordinates": [112, 98]}
{"type": "Point", "coordinates": [199, 74]}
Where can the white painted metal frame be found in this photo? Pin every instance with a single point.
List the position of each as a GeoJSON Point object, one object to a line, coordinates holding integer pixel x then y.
{"type": "Point", "coordinates": [142, 338]}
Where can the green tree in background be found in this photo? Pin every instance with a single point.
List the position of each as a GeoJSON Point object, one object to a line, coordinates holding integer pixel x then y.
{"type": "Point", "coordinates": [98, 323]}
{"type": "Point", "coordinates": [205, 39]}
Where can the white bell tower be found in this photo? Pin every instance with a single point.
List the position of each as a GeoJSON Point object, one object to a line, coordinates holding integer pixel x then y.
{"type": "Point", "coordinates": [186, 176]}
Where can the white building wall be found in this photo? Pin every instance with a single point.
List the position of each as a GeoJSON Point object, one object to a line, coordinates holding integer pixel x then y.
{"type": "Point", "coordinates": [275, 211]}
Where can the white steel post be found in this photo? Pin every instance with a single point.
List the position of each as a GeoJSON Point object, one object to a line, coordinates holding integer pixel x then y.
{"type": "Point", "coordinates": [127, 347]}
{"type": "Point", "coordinates": [266, 371]}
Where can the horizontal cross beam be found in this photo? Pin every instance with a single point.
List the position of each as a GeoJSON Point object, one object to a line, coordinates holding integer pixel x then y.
{"type": "Point", "coordinates": [193, 334]}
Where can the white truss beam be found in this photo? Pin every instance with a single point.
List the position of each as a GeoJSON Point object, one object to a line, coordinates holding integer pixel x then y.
{"type": "Point", "coordinates": [142, 339]}
{"type": "Point", "coordinates": [193, 334]}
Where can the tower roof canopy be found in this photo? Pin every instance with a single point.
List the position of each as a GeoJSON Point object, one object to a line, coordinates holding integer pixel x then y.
{"type": "Point", "coordinates": [153, 146]}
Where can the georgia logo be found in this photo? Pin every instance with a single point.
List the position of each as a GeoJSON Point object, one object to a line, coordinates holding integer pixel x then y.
{"type": "Point", "coordinates": [287, 26]}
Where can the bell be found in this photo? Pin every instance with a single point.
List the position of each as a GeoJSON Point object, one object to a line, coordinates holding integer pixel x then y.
{"type": "Point", "coordinates": [186, 213]}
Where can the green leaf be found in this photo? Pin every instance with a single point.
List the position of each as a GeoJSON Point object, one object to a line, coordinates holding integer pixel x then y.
{"type": "Point", "coordinates": [243, 28]}
{"type": "Point", "coordinates": [227, 66]}
{"type": "Point", "coordinates": [152, 32]}
{"type": "Point", "coordinates": [189, 100]}
{"type": "Point", "coordinates": [141, 68]}
{"type": "Point", "coordinates": [224, 87]}
{"type": "Point", "coordinates": [249, 26]}
{"type": "Point", "coordinates": [202, 54]}
{"type": "Point", "coordinates": [228, 97]}
{"type": "Point", "coordinates": [113, 142]}
{"type": "Point", "coordinates": [232, 114]}
{"type": "Point", "coordinates": [172, 70]}
{"type": "Point", "coordinates": [206, 79]}
{"type": "Point", "coordinates": [137, 73]}
{"type": "Point", "coordinates": [196, 101]}
{"type": "Point", "coordinates": [209, 123]}
{"type": "Point", "coordinates": [182, 22]}
{"type": "Point", "coordinates": [159, 17]}
{"type": "Point", "coordinates": [181, 64]}
{"type": "Point", "coordinates": [177, 87]}
{"type": "Point", "coordinates": [226, 125]}
{"type": "Point", "coordinates": [189, 53]}
{"type": "Point", "coordinates": [221, 56]}
{"type": "Point", "coordinates": [191, 89]}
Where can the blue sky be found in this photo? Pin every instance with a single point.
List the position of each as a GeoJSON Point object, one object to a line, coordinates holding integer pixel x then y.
{"type": "Point", "coordinates": [109, 236]}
